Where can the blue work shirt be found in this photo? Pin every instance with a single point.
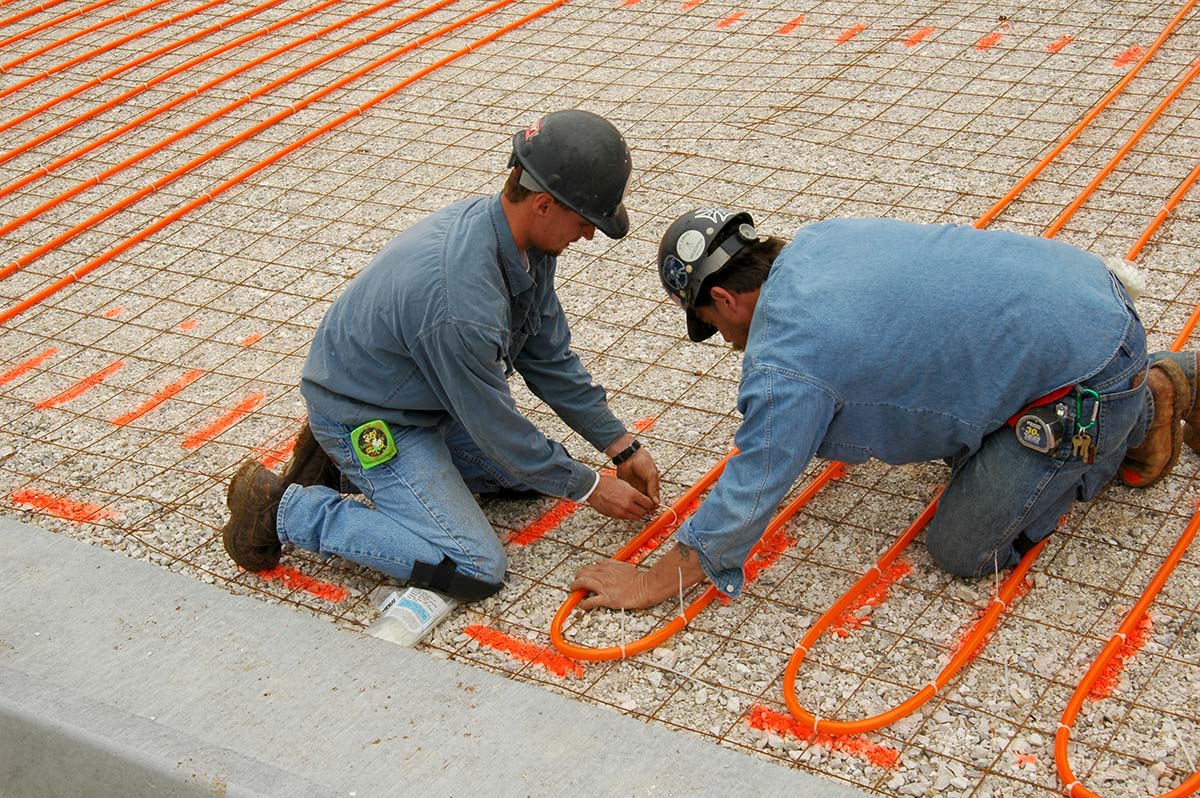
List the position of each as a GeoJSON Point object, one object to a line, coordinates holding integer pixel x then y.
{"type": "Point", "coordinates": [899, 341]}
{"type": "Point", "coordinates": [433, 327]}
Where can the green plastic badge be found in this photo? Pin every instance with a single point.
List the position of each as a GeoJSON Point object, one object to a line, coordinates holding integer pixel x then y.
{"type": "Point", "coordinates": [373, 443]}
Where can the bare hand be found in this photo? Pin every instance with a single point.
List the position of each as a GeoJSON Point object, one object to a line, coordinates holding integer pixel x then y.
{"type": "Point", "coordinates": [619, 585]}
{"type": "Point", "coordinates": [641, 472]}
{"type": "Point", "coordinates": [618, 499]}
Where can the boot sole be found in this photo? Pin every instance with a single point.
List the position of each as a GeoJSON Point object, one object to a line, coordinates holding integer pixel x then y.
{"type": "Point", "coordinates": [1179, 387]}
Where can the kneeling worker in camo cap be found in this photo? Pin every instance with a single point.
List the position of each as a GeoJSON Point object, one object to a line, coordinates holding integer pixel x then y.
{"type": "Point", "coordinates": [1020, 361]}
{"type": "Point", "coordinates": [407, 391]}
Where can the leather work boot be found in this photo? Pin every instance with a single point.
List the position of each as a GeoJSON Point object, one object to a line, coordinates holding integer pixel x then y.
{"type": "Point", "coordinates": [1146, 464]}
{"type": "Point", "coordinates": [309, 464]}
{"type": "Point", "coordinates": [253, 499]}
{"type": "Point", "coordinates": [1191, 414]}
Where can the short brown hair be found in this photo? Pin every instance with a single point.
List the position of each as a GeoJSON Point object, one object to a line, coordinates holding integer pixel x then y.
{"type": "Point", "coordinates": [745, 271]}
{"type": "Point", "coordinates": [514, 192]}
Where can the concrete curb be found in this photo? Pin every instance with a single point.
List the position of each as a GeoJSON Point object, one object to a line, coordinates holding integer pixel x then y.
{"type": "Point", "coordinates": [120, 678]}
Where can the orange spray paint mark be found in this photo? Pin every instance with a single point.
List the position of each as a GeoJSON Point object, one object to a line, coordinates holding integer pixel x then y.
{"type": "Point", "coordinates": [788, 27]}
{"type": "Point", "coordinates": [63, 508]}
{"type": "Point", "coordinates": [664, 533]}
{"type": "Point", "coordinates": [26, 365]}
{"type": "Point", "coordinates": [989, 41]}
{"type": "Point", "coordinates": [688, 5]}
{"type": "Point", "coordinates": [631, 2]}
{"type": "Point", "coordinates": [244, 408]}
{"type": "Point", "coordinates": [1055, 46]}
{"type": "Point", "coordinates": [163, 395]}
{"type": "Point", "coordinates": [873, 596]}
{"type": "Point", "coordinates": [190, 324]}
{"type": "Point", "coordinates": [544, 656]}
{"type": "Point", "coordinates": [563, 509]}
{"type": "Point", "coordinates": [919, 36]}
{"type": "Point", "coordinates": [81, 387]}
{"type": "Point", "coordinates": [732, 18]}
{"type": "Point", "coordinates": [296, 580]}
{"type": "Point", "coordinates": [251, 340]}
{"type": "Point", "coordinates": [113, 312]}
{"type": "Point", "coordinates": [1128, 57]}
{"type": "Point", "coordinates": [850, 33]}
{"type": "Point", "coordinates": [1026, 759]}
{"type": "Point", "coordinates": [770, 548]}
{"type": "Point", "coordinates": [1110, 677]}
{"type": "Point", "coordinates": [766, 719]}
{"type": "Point", "coordinates": [273, 458]}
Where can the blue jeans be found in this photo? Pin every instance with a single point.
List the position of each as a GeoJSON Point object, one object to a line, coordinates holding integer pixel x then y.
{"type": "Point", "coordinates": [1005, 497]}
{"type": "Point", "coordinates": [423, 504]}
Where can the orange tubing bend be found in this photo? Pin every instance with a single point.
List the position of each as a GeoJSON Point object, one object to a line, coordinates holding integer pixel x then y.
{"type": "Point", "coordinates": [969, 647]}
{"type": "Point", "coordinates": [832, 471]}
{"type": "Point", "coordinates": [99, 51]}
{"type": "Point", "coordinates": [995, 210]}
{"type": "Point", "coordinates": [34, 299]}
{"type": "Point", "coordinates": [70, 37]}
{"type": "Point", "coordinates": [1069, 211]}
{"type": "Point", "coordinates": [229, 143]}
{"type": "Point", "coordinates": [50, 23]}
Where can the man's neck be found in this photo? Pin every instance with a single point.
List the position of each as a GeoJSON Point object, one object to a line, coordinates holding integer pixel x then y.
{"type": "Point", "coordinates": [518, 222]}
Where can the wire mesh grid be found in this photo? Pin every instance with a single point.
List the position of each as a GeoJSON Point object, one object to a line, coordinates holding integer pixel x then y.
{"type": "Point", "coordinates": [129, 395]}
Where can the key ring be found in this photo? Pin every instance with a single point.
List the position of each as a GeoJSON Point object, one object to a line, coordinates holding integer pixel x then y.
{"type": "Point", "coordinates": [1080, 391]}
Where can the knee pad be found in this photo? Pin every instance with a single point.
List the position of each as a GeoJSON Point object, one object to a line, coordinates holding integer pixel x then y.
{"type": "Point", "coordinates": [446, 578]}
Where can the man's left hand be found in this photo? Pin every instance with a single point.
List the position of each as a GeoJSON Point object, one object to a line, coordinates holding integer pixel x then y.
{"type": "Point", "coordinates": [641, 472]}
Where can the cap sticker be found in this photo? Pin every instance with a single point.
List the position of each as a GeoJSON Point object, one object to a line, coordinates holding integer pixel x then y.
{"type": "Point", "coordinates": [674, 273]}
{"type": "Point", "coordinates": [714, 215]}
{"type": "Point", "coordinates": [533, 129]}
{"type": "Point", "coordinates": [690, 246]}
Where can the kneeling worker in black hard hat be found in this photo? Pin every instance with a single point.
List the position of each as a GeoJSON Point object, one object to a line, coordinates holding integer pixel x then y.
{"type": "Point", "coordinates": [406, 382]}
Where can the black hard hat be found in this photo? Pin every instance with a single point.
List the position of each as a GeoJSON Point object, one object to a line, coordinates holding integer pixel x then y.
{"type": "Point", "coordinates": [581, 160]}
{"type": "Point", "coordinates": [695, 247]}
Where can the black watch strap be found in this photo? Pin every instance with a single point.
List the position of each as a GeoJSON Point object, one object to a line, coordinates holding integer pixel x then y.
{"type": "Point", "coordinates": [627, 452]}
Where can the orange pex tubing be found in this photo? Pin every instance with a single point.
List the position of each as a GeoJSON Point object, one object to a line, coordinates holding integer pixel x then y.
{"type": "Point", "coordinates": [832, 471]}
{"type": "Point", "coordinates": [70, 37]}
{"type": "Point", "coordinates": [15, 310]}
{"type": "Point", "coordinates": [50, 23]}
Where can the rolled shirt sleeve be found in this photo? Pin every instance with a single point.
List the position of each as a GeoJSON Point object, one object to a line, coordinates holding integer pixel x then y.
{"type": "Point", "coordinates": [463, 364]}
{"type": "Point", "coordinates": [784, 418]}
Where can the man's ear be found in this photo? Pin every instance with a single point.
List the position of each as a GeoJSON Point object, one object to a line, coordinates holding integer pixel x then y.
{"type": "Point", "coordinates": [723, 297]}
{"type": "Point", "coordinates": [542, 202]}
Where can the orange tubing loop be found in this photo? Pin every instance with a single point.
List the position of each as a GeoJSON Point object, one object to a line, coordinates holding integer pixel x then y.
{"type": "Point", "coordinates": [966, 651]}
{"type": "Point", "coordinates": [70, 37]}
{"type": "Point", "coordinates": [186, 96]}
{"type": "Point", "coordinates": [1067, 212]}
{"type": "Point", "coordinates": [50, 23]}
{"type": "Point", "coordinates": [1115, 643]}
{"type": "Point", "coordinates": [229, 143]}
{"type": "Point", "coordinates": [103, 48]}
{"type": "Point", "coordinates": [995, 210]}
{"type": "Point", "coordinates": [832, 471]}
{"type": "Point", "coordinates": [1138, 611]}
{"type": "Point", "coordinates": [39, 296]}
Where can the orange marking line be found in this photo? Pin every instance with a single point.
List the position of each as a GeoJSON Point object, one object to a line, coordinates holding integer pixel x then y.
{"type": "Point", "coordinates": [1054, 47]}
{"type": "Point", "coordinates": [688, 5]}
{"type": "Point", "coordinates": [732, 18]}
{"type": "Point", "coordinates": [1128, 57]}
{"type": "Point", "coordinates": [656, 540]}
{"type": "Point", "coordinates": [82, 387]}
{"type": "Point", "coordinates": [562, 510]}
{"type": "Point", "coordinates": [273, 458]}
{"type": "Point", "coordinates": [770, 548]}
{"type": "Point", "coordinates": [873, 596]}
{"type": "Point", "coordinates": [918, 37]}
{"type": "Point", "coordinates": [989, 41]}
{"type": "Point", "coordinates": [25, 366]}
{"type": "Point", "coordinates": [190, 324]}
{"type": "Point", "coordinates": [543, 656]}
{"type": "Point", "coordinates": [63, 508]}
{"type": "Point", "coordinates": [631, 2]}
{"type": "Point", "coordinates": [251, 340]}
{"type": "Point", "coordinates": [850, 33]}
{"type": "Point", "coordinates": [767, 719]}
{"type": "Point", "coordinates": [980, 617]}
{"type": "Point", "coordinates": [113, 312]}
{"type": "Point", "coordinates": [244, 408]}
{"type": "Point", "coordinates": [1110, 677]}
{"type": "Point", "coordinates": [1026, 759]}
{"type": "Point", "coordinates": [788, 27]}
{"type": "Point", "coordinates": [163, 395]}
{"type": "Point", "coordinates": [293, 578]}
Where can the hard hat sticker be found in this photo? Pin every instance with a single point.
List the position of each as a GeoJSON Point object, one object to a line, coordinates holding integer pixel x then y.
{"type": "Point", "coordinates": [690, 246]}
{"type": "Point", "coordinates": [373, 443]}
{"type": "Point", "coordinates": [675, 273]}
{"type": "Point", "coordinates": [714, 215]}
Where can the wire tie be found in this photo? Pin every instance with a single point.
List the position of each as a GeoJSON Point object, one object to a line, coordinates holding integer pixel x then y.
{"type": "Point", "coordinates": [1122, 636]}
{"type": "Point", "coordinates": [816, 723]}
{"type": "Point", "coordinates": [876, 569]}
{"type": "Point", "coordinates": [674, 516]}
{"type": "Point", "coordinates": [933, 683]}
{"type": "Point", "coordinates": [1065, 727]}
{"type": "Point", "coordinates": [211, 198]}
{"type": "Point", "coordinates": [802, 648]}
{"type": "Point", "coordinates": [682, 616]}
{"type": "Point", "coordinates": [622, 633]}
{"type": "Point", "coordinates": [1071, 787]}
{"type": "Point", "coordinates": [1000, 601]}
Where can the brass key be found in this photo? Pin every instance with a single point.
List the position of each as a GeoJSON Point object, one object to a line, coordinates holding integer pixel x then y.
{"type": "Point", "coordinates": [1081, 446]}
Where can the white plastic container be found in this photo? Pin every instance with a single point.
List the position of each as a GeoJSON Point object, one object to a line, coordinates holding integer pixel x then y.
{"type": "Point", "coordinates": [408, 615]}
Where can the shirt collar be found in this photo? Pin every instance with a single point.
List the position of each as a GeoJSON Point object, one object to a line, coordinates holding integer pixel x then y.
{"type": "Point", "coordinates": [511, 261]}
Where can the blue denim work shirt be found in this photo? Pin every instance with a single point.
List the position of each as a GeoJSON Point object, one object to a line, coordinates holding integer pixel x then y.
{"type": "Point", "coordinates": [433, 327]}
{"type": "Point", "coordinates": [899, 341]}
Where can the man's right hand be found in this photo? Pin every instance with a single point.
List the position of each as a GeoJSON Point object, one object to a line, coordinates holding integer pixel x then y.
{"type": "Point", "coordinates": [618, 499]}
